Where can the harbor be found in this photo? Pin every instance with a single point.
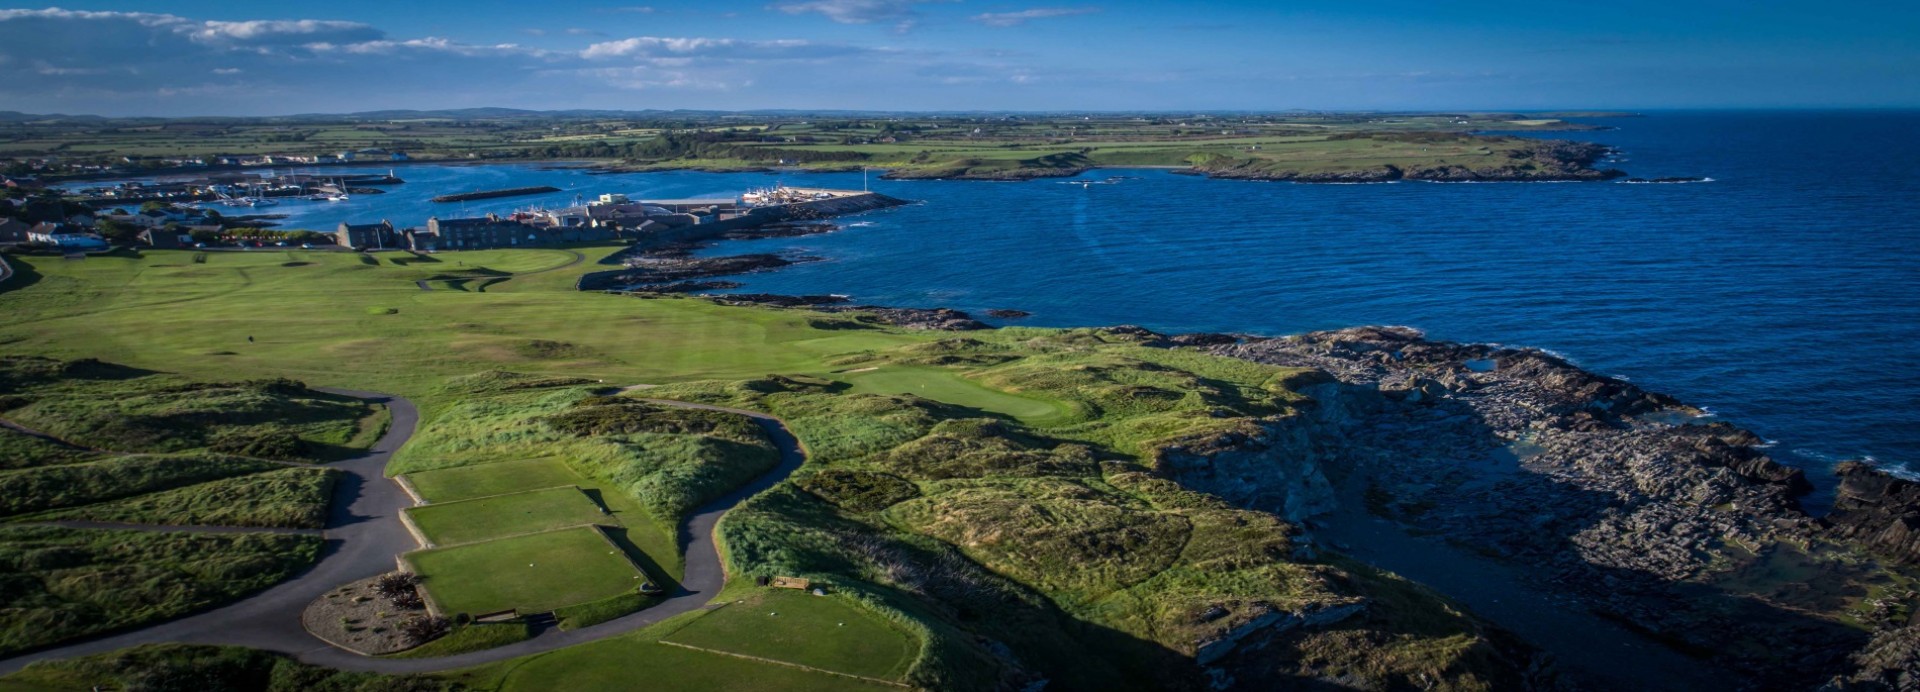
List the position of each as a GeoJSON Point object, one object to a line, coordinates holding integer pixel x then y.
{"type": "Point", "coordinates": [236, 189]}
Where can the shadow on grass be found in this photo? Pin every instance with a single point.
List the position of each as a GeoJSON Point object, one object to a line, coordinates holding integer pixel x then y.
{"type": "Point", "coordinates": [24, 274]}
{"type": "Point", "coordinates": [655, 573]}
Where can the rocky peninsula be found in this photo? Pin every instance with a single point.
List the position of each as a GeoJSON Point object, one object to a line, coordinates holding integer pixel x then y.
{"type": "Point", "coordinates": [1531, 161]}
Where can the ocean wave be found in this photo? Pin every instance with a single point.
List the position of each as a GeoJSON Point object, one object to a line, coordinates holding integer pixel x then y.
{"type": "Point", "coordinates": [1688, 181]}
{"type": "Point", "coordinates": [1496, 182]}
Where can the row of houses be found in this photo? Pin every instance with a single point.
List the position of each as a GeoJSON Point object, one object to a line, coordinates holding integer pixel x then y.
{"type": "Point", "coordinates": [58, 234]}
{"type": "Point", "coordinates": [490, 231]}
{"type": "Point", "coordinates": [284, 160]}
{"type": "Point", "coordinates": [611, 217]}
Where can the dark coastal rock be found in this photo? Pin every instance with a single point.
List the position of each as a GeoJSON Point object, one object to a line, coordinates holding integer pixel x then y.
{"type": "Point", "coordinates": [1134, 332]}
{"type": "Point", "coordinates": [1008, 314]}
{"type": "Point", "coordinates": [1878, 509]}
{"type": "Point", "coordinates": [668, 268]}
{"type": "Point", "coordinates": [778, 300]}
{"type": "Point", "coordinates": [1579, 482]}
{"type": "Point", "coordinates": [932, 319]}
{"type": "Point", "coordinates": [687, 286]}
{"type": "Point", "coordinates": [791, 229]}
{"type": "Point", "coordinates": [1203, 339]}
{"type": "Point", "coordinates": [1890, 662]}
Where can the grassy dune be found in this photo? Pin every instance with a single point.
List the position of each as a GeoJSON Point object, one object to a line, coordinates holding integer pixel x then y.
{"type": "Point", "coordinates": [62, 583]}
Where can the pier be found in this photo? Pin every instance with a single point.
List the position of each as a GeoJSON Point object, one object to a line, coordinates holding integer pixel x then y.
{"type": "Point", "coordinates": [493, 194]}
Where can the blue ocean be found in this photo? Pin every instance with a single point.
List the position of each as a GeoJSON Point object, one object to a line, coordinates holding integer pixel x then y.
{"type": "Point", "coordinates": [1783, 294]}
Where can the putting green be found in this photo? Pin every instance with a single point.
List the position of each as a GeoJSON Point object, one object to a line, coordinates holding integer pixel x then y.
{"type": "Point", "coordinates": [948, 386]}
{"type": "Point", "coordinates": [532, 574]}
{"type": "Point", "coordinates": [824, 632]}
{"type": "Point", "coordinates": [471, 521]}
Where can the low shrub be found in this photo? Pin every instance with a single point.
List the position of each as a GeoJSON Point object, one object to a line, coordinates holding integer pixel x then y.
{"type": "Point", "coordinates": [860, 491]}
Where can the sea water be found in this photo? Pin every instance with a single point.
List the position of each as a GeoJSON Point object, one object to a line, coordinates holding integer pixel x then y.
{"type": "Point", "coordinates": [1784, 295]}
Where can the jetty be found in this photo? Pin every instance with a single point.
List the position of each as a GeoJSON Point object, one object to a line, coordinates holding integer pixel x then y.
{"type": "Point", "coordinates": [493, 194]}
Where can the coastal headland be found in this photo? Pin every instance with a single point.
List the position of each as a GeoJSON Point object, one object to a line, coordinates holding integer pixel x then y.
{"type": "Point", "coordinates": [1299, 147]}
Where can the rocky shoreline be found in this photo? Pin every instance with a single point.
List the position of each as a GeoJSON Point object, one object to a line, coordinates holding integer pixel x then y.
{"type": "Point", "coordinates": [1619, 501]}
{"type": "Point", "coordinates": [1623, 500]}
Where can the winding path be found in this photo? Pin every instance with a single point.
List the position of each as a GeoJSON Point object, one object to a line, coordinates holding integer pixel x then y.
{"type": "Point", "coordinates": [364, 536]}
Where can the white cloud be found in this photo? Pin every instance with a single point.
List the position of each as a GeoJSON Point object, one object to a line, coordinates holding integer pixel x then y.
{"type": "Point", "coordinates": [899, 12]}
{"type": "Point", "coordinates": [430, 44]}
{"type": "Point", "coordinates": [656, 47]}
{"type": "Point", "coordinates": [57, 60]}
{"type": "Point", "coordinates": [285, 31]}
{"type": "Point", "coordinates": [1005, 19]}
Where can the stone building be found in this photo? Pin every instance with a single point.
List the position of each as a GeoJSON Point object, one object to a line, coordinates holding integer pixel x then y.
{"type": "Point", "coordinates": [369, 235]}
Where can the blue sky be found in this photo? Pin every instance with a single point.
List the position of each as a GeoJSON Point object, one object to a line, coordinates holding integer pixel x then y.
{"type": "Point", "coordinates": [225, 58]}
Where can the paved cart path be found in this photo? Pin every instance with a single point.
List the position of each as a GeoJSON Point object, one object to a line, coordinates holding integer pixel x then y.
{"type": "Point", "coordinates": [364, 536]}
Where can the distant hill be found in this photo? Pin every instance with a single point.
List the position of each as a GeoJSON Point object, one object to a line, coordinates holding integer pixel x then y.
{"type": "Point", "coordinates": [497, 113]}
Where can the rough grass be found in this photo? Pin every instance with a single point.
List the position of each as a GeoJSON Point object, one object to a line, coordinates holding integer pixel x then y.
{"type": "Point", "coordinates": [134, 411]}
{"type": "Point", "coordinates": [531, 573]}
{"type": "Point", "coordinates": [19, 450]}
{"type": "Point", "coordinates": [1054, 532]}
{"type": "Point", "coordinates": [286, 498]}
{"type": "Point", "coordinates": [824, 632]}
{"type": "Point", "coordinates": [1059, 536]}
{"type": "Point", "coordinates": [110, 478]}
{"type": "Point", "coordinates": [202, 668]}
{"type": "Point", "coordinates": [59, 584]}
{"type": "Point", "coordinates": [470, 521]}
{"type": "Point", "coordinates": [473, 636]}
{"type": "Point", "coordinates": [669, 460]}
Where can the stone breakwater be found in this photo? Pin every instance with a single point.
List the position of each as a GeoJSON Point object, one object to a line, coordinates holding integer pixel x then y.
{"type": "Point", "coordinates": [1622, 499]}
